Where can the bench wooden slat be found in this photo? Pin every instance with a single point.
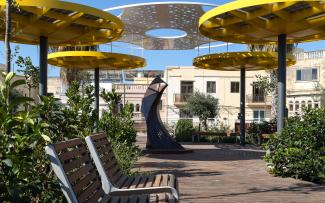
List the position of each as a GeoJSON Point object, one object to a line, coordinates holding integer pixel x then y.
{"type": "Point", "coordinates": [133, 199]}
{"type": "Point", "coordinates": [150, 180]}
{"type": "Point", "coordinates": [117, 177]}
{"type": "Point", "coordinates": [87, 193]}
{"type": "Point", "coordinates": [121, 181]}
{"type": "Point", "coordinates": [67, 144]}
{"type": "Point", "coordinates": [98, 136]}
{"type": "Point", "coordinates": [64, 156]}
{"type": "Point", "coordinates": [143, 181]}
{"type": "Point", "coordinates": [165, 180]}
{"type": "Point", "coordinates": [135, 182]}
{"type": "Point", "coordinates": [76, 163]}
{"type": "Point", "coordinates": [128, 182]}
{"type": "Point", "coordinates": [85, 182]}
{"type": "Point", "coordinates": [172, 181]}
{"type": "Point", "coordinates": [80, 172]}
{"type": "Point", "coordinates": [157, 180]}
{"type": "Point", "coordinates": [162, 198]}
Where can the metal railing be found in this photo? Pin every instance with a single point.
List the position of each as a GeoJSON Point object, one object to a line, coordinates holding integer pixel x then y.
{"type": "Point", "coordinates": [181, 98]}
{"type": "Point", "coordinates": [257, 99]}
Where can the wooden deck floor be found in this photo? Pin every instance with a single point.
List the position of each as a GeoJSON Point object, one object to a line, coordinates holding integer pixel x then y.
{"type": "Point", "coordinates": [229, 173]}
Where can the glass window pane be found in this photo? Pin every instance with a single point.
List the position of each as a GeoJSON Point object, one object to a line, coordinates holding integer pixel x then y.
{"type": "Point", "coordinates": [298, 75]}
{"type": "Point", "coordinates": [314, 74]}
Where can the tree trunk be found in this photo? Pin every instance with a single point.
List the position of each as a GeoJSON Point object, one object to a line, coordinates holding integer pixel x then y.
{"type": "Point", "coordinates": [7, 35]}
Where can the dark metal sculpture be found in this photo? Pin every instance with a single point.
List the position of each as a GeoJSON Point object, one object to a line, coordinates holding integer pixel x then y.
{"type": "Point", "coordinates": [158, 138]}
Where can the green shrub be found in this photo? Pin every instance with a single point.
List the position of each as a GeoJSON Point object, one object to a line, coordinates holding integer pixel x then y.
{"type": "Point", "coordinates": [118, 126]}
{"type": "Point", "coordinates": [25, 175]}
{"type": "Point", "coordinates": [299, 150]}
{"type": "Point", "coordinates": [220, 128]}
{"type": "Point", "coordinates": [184, 130]}
{"type": "Point", "coordinates": [255, 130]}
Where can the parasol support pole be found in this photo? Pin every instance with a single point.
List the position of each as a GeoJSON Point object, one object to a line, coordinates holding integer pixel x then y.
{"type": "Point", "coordinates": [242, 105]}
{"type": "Point", "coordinates": [96, 76]}
{"type": "Point", "coordinates": [43, 66]}
{"type": "Point", "coordinates": [281, 81]}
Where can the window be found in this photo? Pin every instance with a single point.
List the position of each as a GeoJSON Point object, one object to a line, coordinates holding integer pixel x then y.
{"type": "Point", "coordinates": [316, 105]}
{"type": "Point", "coordinates": [290, 106]}
{"type": "Point", "coordinates": [234, 87]}
{"type": "Point", "coordinates": [303, 104]}
{"type": "Point", "coordinates": [297, 106]}
{"type": "Point", "coordinates": [137, 107]}
{"type": "Point", "coordinates": [211, 87]}
{"type": "Point", "coordinates": [259, 115]}
{"type": "Point", "coordinates": [160, 105]}
{"type": "Point", "coordinates": [187, 87]}
{"type": "Point", "coordinates": [307, 74]}
{"type": "Point", "coordinates": [310, 104]}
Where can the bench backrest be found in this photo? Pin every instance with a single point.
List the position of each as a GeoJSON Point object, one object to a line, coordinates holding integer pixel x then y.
{"type": "Point", "coordinates": [75, 170]}
{"type": "Point", "coordinates": [106, 163]}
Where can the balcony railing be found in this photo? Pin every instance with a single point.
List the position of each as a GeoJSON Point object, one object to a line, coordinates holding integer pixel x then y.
{"type": "Point", "coordinates": [181, 99]}
{"type": "Point", "coordinates": [130, 87]}
{"type": "Point", "coordinates": [255, 99]}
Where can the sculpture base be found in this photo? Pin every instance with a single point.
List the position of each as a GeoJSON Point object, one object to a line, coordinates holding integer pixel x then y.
{"type": "Point", "coordinates": [167, 151]}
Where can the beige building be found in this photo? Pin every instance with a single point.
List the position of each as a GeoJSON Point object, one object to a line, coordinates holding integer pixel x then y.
{"type": "Point", "coordinates": [303, 80]}
{"type": "Point", "coordinates": [224, 85]}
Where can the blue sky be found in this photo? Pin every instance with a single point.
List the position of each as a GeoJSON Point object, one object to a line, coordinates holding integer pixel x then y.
{"type": "Point", "coordinates": [155, 59]}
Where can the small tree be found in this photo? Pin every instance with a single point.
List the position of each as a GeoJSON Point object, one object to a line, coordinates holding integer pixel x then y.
{"type": "Point", "coordinates": [30, 72]}
{"type": "Point", "coordinates": [204, 106]}
{"type": "Point", "coordinates": [112, 99]}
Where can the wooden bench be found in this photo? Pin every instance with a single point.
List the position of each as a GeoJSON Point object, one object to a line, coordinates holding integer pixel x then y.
{"type": "Point", "coordinates": [80, 181]}
{"type": "Point", "coordinates": [204, 134]}
{"type": "Point", "coordinates": [113, 178]}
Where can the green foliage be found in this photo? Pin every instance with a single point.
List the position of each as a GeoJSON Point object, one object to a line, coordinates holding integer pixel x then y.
{"type": "Point", "coordinates": [299, 150]}
{"type": "Point", "coordinates": [25, 175]}
{"type": "Point", "coordinates": [112, 99]}
{"type": "Point", "coordinates": [184, 130]}
{"type": "Point", "coordinates": [255, 130]}
{"type": "Point", "coordinates": [30, 72]}
{"type": "Point", "coordinates": [204, 106]}
{"type": "Point", "coordinates": [220, 128]}
{"type": "Point", "coordinates": [118, 126]}
{"type": "Point", "coordinates": [80, 115]}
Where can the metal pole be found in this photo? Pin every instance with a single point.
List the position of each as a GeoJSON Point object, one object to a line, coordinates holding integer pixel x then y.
{"type": "Point", "coordinates": [43, 65]}
{"type": "Point", "coordinates": [281, 81]}
{"type": "Point", "coordinates": [97, 93]}
{"type": "Point", "coordinates": [124, 93]}
{"type": "Point", "coordinates": [242, 105]}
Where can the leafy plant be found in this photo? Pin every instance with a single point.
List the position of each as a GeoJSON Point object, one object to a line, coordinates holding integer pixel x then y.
{"type": "Point", "coordinates": [118, 126]}
{"type": "Point", "coordinates": [184, 130]}
{"type": "Point", "coordinates": [80, 113]}
{"type": "Point", "coordinates": [202, 105]}
{"type": "Point", "coordinates": [24, 171]}
{"type": "Point", "coordinates": [299, 150]}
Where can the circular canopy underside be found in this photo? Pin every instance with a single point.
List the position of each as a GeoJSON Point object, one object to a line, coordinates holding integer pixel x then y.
{"type": "Point", "coordinates": [93, 59]}
{"type": "Point", "coordinates": [234, 61]}
{"type": "Point", "coordinates": [261, 21]}
{"type": "Point", "coordinates": [64, 23]}
{"type": "Point", "coordinates": [141, 18]}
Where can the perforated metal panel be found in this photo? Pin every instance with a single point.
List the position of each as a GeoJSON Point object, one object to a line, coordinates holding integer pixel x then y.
{"type": "Point", "coordinates": [140, 18]}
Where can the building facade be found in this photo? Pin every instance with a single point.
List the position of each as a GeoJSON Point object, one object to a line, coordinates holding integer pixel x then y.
{"type": "Point", "coordinates": [305, 81]}
{"type": "Point", "coordinates": [224, 85]}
